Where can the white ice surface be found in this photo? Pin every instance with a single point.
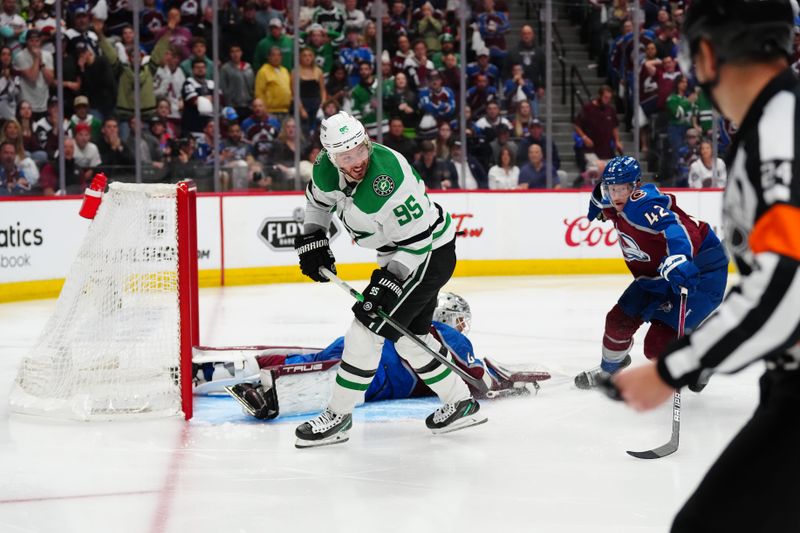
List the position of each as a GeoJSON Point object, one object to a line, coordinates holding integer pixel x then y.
{"type": "Point", "coordinates": [554, 463]}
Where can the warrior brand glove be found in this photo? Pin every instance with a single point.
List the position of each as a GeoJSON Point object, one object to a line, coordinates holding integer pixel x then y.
{"type": "Point", "coordinates": [383, 291]}
{"type": "Point", "coordinates": [680, 272]}
{"type": "Point", "coordinates": [314, 253]}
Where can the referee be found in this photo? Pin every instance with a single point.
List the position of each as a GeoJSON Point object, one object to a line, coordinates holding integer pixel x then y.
{"type": "Point", "coordinates": [741, 51]}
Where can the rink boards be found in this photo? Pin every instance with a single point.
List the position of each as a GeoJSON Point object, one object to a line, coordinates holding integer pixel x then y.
{"type": "Point", "coordinates": [248, 238]}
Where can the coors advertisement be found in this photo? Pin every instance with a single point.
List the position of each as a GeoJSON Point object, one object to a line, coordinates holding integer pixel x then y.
{"type": "Point", "coordinates": [581, 232]}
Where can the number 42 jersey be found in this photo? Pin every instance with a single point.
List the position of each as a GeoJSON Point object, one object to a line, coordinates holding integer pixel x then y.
{"type": "Point", "coordinates": [651, 227]}
{"type": "Point", "coordinates": [387, 211]}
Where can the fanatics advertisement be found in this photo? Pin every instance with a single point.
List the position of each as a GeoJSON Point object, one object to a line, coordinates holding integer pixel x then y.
{"type": "Point", "coordinates": [39, 239]}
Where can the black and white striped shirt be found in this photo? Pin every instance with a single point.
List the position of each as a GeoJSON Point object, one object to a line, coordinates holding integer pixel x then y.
{"type": "Point", "coordinates": [760, 317]}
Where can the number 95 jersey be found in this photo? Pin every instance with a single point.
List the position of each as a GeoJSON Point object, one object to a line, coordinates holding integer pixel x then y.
{"type": "Point", "coordinates": [387, 211]}
{"type": "Point", "coordinates": [651, 227]}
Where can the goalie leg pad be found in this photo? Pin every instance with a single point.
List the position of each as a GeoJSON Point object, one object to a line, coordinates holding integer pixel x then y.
{"type": "Point", "coordinates": [447, 385]}
{"type": "Point", "coordinates": [618, 337]}
{"type": "Point", "coordinates": [362, 353]}
{"type": "Point", "coordinates": [658, 337]}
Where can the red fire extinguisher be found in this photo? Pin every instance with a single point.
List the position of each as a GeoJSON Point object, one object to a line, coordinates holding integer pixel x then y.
{"type": "Point", "coordinates": [93, 196]}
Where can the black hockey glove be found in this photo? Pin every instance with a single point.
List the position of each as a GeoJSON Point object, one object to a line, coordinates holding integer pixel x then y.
{"type": "Point", "coordinates": [383, 291]}
{"type": "Point", "coordinates": [314, 253]}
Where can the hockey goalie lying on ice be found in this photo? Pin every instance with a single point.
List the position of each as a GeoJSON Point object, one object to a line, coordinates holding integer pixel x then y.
{"type": "Point", "coordinates": [269, 381]}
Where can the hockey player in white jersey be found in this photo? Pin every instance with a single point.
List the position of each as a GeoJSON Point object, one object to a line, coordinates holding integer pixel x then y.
{"type": "Point", "coordinates": [381, 201]}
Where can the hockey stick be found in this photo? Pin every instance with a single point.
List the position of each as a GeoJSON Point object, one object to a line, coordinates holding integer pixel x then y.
{"type": "Point", "coordinates": [475, 382]}
{"type": "Point", "coordinates": [671, 446]}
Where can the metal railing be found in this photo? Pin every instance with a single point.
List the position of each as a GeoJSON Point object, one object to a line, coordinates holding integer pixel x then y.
{"type": "Point", "coordinates": [576, 85]}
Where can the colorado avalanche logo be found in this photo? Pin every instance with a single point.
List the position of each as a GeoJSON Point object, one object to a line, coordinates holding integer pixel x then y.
{"type": "Point", "coordinates": [631, 250]}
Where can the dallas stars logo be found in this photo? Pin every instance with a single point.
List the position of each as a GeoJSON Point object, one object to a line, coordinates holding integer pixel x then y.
{"type": "Point", "coordinates": [343, 129]}
{"type": "Point", "coordinates": [383, 185]}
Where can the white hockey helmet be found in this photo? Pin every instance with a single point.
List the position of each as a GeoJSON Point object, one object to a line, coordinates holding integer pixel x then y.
{"type": "Point", "coordinates": [453, 310]}
{"type": "Point", "coordinates": [342, 132]}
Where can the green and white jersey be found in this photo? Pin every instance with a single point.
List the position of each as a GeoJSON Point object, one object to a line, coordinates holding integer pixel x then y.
{"type": "Point", "coordinates": [387, 211]}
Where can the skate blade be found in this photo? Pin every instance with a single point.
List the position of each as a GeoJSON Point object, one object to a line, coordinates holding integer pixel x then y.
{"type": "Point", "coordinates": [461, 424]}
{"type": "Point", "coordinates": [245, 406]}
{"type": "Point", "coordinates": [339, 438]}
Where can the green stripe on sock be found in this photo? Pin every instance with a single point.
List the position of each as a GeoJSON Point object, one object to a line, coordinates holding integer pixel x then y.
{"type": "Point", "coordinates": [350, 384]}
{"type": "Point", "coordinates": [438, 378]}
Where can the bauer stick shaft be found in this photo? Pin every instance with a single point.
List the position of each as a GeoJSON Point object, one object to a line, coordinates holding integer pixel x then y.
{"type": "Point", "coordinates": [475, 382]}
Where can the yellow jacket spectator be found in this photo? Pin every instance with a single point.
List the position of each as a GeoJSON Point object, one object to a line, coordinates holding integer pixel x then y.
{"type": "Point", "coordinates": [274, 84]}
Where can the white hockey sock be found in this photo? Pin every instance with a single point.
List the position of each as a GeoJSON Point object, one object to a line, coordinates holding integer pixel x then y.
{"type": "Point", "coordinates": [362, 353]}
{"type": "Point", "coordinates": [447, 385]}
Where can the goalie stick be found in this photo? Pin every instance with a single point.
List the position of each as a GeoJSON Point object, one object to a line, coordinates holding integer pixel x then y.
{"type": "Point", "coordinates": [611, 390]}
{"type": "Point", "coordinates": [475, 382]}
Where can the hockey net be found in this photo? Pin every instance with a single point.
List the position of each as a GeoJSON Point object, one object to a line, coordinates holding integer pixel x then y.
{"type": "Point", "coordinates": [118, 344]}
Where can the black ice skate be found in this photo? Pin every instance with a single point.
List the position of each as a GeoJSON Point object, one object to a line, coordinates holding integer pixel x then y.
{"type": "Point", "coordinates": [588, 380]}
{"type": "Point", "coordinates": [327, 428]}
{"type": "Point", "coordinates": [455, 416]}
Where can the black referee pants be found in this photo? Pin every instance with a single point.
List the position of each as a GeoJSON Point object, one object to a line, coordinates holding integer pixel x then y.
{"type": "Point", "coordinates": [754, 486]}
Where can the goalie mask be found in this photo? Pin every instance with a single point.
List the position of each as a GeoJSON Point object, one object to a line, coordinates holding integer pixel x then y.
{"type": "Point", "coordinates": [453, 310]}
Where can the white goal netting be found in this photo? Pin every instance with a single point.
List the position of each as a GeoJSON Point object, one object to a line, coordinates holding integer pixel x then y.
{"type": "Point", "coordinates": [112, 346]}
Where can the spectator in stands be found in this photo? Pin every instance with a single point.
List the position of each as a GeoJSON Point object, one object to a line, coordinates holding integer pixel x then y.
{"type": "Point", "coordinates": [363, 97]}
{"type": "Point", "coordinates": [81, 29]}
{"type": "Point", "coordinates": [276, 37]}
{"type": "Point", "coordinates": [199, 50]}
{"type": "Point", "coordinates": [666, 77]}
{"type": "Point", "coordinates": [400, 15]}
{"type": "Point", "coordinates": [648, 94]}
{"type": "Point", "coordinates": [418, 67]}
{"type": "Point", "coordinates": [686, 154]}
{"type": "Point", "coordinates": [234, 146]}
{"type": "Point", "coordinates": [36, 72]}
{"type": "Point", "coordinates": [331, 18]}
{"type": "Point", "coordinates": [9, 85]}
{"type": "Point", "coordinates": [11, 132]}
{"type": "Point", "coordinates": [260, 130]}
{"type": "Point", "coordinates": [306, 13]}
{"type": "Point", "coordinates": [428, 28]}
{"type": "Point", "coordinates": [151, 22]}
{"type": "Point", "coordinates": [493, 26]}
{"type": "Point", "coordinates": [701, 171]}
{"type": "Point", "coordinates": [82, 116]}
{"type": "Point", "coordinates": [352, 54]}
{"type": "Point", "coordinates": [285, 149]}
{"type": "Point", "coordinates": [125, 75]}
{"type": "Point", "coordinates": [169, 80]}
{"type": "Point", "coordinates": [503, 141]}
{"type": "Point", "coordinates": [438, 104]}
{"type": "Point", "coordinates": [336, 86]}
{"type": "Point", "coordinates": [12, 178]}
{"type": "Point", "coordinates": [370, 37]}
{"type": "Point", "coordinates": [13, 25]}
{"type": "Point", "coordinates": [396, 140]}
{"type": "Point", "coordinates": [597, 126]}
{"type": "Point", "coordinates": [274, 85]}
{"type": "Point", "coordinates": [484, 67]}
{"type": "Point", "coordinates": [87, 155]}
{"type": "Point", "coordinates": [178, 36]}
{"type": "Point", "coordinates": [197, 92]}
{"type": "Point", "coordinates": [312, 88]}
{"type": "Point", "coordinates": [444, 140]}
{"type": "Point", "coordinates": [249, 32]}
{"type": "Point", "coordinates": [353, 17]}
{"type": "Point", "coordinates": [492, 120]}
{"type": "Point", "coordinates": [173, 125]}
{"type": "Point", "coordinates": [266, 10]}
{"type": "Point", "coordinates": [236, 80]}
{"type": "Point", "coordinates": [45, 129]}
{"type": "Point", "coordinates": [98, 83]}
{"type": "Point", "coordinates": [402, 53]}
{"type": "Point", "coordinates": [519, 89]}
{"type": "Point", "coordinates": [475, 176]}
{"type": "Point", "coordinates": [157, 138]}
{"type": "Point", "coordinates": [479, 96]}
{"type": "Point", "coordinates": [447, 46]}
{"type": "Point", "coordinates": [533, 174]}
{"type": "Point", "coordinates": [523, 120]}
{"type": "Point", "coordinates": [451, 72]}
{"type": "Point", "coordinates": [531, 57]}
{"type": "Point", "coordinates": [324, 51]}
{"type": "Point", "coordinates": [536, 136]}
{"type": "Point", "coordinates": [28, 127]}
{"type": "Point", "coordinates": [113, 152]}
{"type": "Point", "coordinates": [505, 174]}
{"type": "Point", "coordinates": [402, 103]}
{"type": "Point", "coordinates": [667, 41]}
{"type": "Point", "coordinates": [41, 16]}
{"type": "Point", "coordinates": [75, 179]}
{"type": "Point", "coordinates": [436, 173]}
{"type": "Point", "coordinates": [680, 110]}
